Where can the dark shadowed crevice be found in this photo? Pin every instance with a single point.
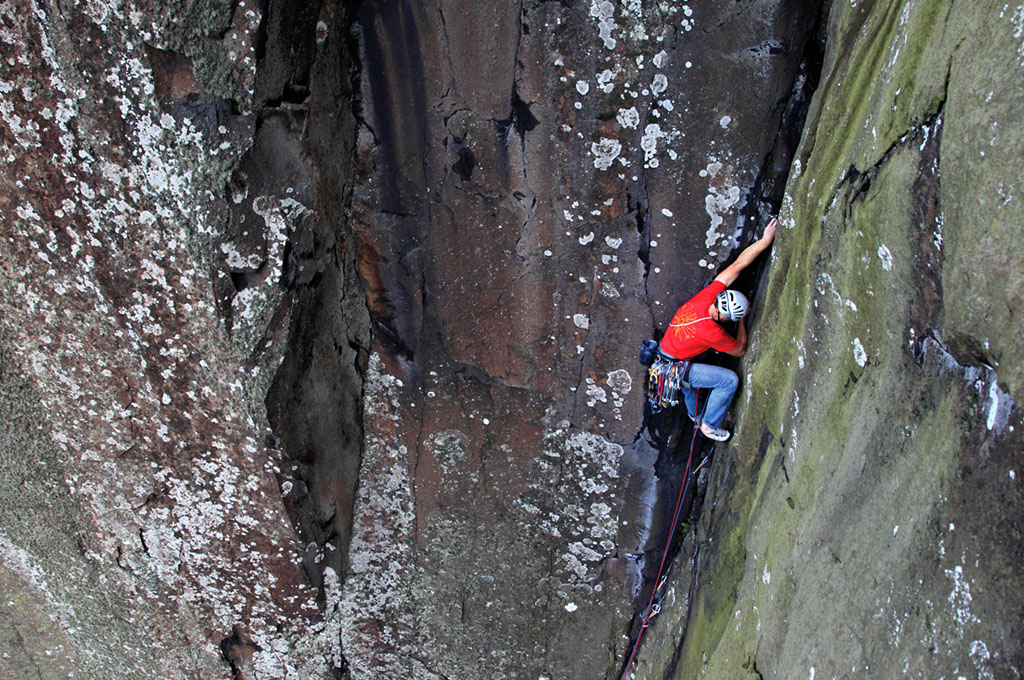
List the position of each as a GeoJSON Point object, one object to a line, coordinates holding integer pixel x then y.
{"type": "Point", "coordinates": [770, 184]}
{"type": "Point", "coordinates": [666, 433]}
{"type": "Point", "coordinates": [463, 167]}
{"type": "Point", "coordinates": [522, 118]}
{"type": "Point", "coordinates": [807, 49]}
{"type": "Point", "coordinates": [315, 401]}
{"type": "Point", "coordinates": [643, 228]}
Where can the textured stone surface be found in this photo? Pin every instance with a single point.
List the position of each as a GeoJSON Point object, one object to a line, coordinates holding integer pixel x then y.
{"type": "Point", "coordinates": [540, 185]}
{"type": "Point", "coordinates": [318, 337]}
{"type": "Point", "coordinates": [144, 532]}
{"type": "Point", "coordinates": [866, 521]}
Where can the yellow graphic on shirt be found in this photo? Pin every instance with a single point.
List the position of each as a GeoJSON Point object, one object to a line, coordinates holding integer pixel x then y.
{"type": "Point", "coordinates": [684, 324]}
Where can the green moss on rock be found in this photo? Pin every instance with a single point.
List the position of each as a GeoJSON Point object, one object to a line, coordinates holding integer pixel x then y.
{"type": "Point", "coordinates": [870, 422]}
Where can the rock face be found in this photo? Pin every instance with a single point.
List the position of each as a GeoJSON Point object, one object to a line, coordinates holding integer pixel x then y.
{"type": "Point", "coordinates": [320, 320]}
{"type": "Point", "coordinates": [539, 186]}
{"type": "Point", "coordinates": [866, 520]}
{"type": "Point", "coordinates": [156, 209]}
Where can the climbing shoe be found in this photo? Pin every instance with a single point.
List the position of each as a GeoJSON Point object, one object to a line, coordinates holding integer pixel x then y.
{"type": "Point", "coordinates": [719, 435]}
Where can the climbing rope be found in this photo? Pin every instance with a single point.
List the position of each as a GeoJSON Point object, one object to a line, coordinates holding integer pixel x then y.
{"type": "Point", "coordinates": [652, 609]}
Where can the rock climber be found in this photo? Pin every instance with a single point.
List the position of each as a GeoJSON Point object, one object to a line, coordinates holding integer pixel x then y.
{"type": "Point", "coordinates": [696, 327]}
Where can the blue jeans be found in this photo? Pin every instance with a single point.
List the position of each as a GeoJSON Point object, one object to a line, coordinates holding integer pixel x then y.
{"type": "Point", "coordinates": [722, 383]}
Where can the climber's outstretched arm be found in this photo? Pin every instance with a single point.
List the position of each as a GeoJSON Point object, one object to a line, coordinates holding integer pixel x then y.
{"type": "Point", "coordinates": [749, 254]}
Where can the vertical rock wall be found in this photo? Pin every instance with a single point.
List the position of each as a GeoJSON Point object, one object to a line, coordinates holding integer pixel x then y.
{"type": "Point", "coordinates": [238, 439]}
{"type": "Point", "coordinates": [866, 521]}
{"type": "Point", "coordinates": [539, 186]}
{"type": "Point", "coordinates": [159, 212]}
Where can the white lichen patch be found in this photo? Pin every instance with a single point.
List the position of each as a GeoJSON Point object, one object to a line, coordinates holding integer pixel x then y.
{"type": "Point", "coordinates": [605, 152]}
{"type": "Point", "coordinates": [576, 478]}
{"type": "Point", "coordinates": [604, 12]}
{"type": "Point", "coordinates": [594, 393]}
{"type": "Point", "coordinates": [687, 23]}
{"type": "Point", "coordinates": [605, 81]}
{"type": "Point", "coordinates": [620, 381]}
{"type": "Point", "coordinates": [659, 84]}
{"type": "Point", "coordinates": [826, 286]}
{"type": "Point", "coordinates": [960, 599]}
{"type": "Point", "coordinates": [609, 290]}
{"type": "Point", "coordinates": [252, 306]}
{"type": "Point", "coordinates": [449, 450]}
{"type": "Point", "coordinates": [859, 355]}
{"type": "Point", "coordinates": [886, 257]}
{"type": "Point", "coordinates": [628, 118]}
{"type": "Point", "coordinates": [594, 463]}
{"type": "Point", "coordinates": [649, 143]}
{"type": "Point", "coordinates": [723, 196]}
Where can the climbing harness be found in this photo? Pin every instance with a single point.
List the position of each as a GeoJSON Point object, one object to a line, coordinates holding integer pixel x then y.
{"type": "Point", "coordinates": [667, 376]}
{"type": "Point", "coordinates": [654, 608]}
{"type": "Point", "coordinates": [665, 379]}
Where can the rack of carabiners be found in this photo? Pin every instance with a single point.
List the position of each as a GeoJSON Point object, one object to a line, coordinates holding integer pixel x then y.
{"type": "Point", "coordinates": [664, 382]}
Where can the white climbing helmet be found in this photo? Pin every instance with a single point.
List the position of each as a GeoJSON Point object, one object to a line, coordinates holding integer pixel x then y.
{"type": "Point", "coordinates": [732, 304]}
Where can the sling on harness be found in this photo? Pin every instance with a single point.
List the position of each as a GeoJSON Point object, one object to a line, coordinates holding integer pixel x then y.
{"type": "Point", "coordinates": [665, 379]}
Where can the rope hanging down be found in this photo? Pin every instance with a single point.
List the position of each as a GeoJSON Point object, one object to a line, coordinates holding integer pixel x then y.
{"type": "Point", "coordinates": [664, 556]}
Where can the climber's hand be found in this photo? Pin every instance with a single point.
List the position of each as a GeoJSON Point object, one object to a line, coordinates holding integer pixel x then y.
{"type": "Point", "coordinates": [769, 232]}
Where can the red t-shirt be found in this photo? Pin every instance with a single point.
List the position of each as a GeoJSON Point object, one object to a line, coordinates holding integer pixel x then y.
{"type": "Point", "coordinates": [692, 331]}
